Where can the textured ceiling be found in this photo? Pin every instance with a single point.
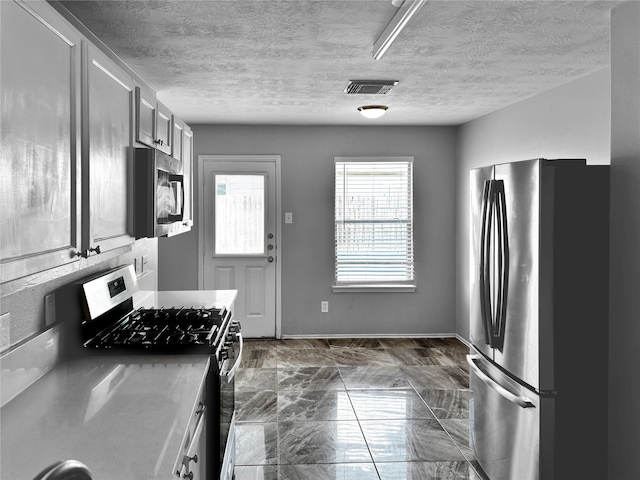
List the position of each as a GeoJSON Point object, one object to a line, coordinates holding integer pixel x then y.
{"type": "Point", "coordinates": [289, 61]}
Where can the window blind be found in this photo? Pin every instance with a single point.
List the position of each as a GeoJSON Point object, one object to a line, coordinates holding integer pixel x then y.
{"type": "Point", "coordinates": [374, 220]}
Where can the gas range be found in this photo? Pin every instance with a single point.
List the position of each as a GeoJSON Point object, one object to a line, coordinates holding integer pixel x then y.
{"type": "Point", "coordinates": [164, 328]}
{"type": "Point", "coordinates": [111, 324]}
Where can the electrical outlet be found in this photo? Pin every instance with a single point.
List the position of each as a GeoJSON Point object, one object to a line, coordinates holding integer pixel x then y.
{"type": "Point", "coordinates": [288, 217]}
{"type": "Point", "coordinates": [5, 331]}
{"type": "Point", "coordinates": [324, 306]}
{"type": "Point", "coordinates": [49, 310]}
{"type": "Point", "coordinates": [145, 261]}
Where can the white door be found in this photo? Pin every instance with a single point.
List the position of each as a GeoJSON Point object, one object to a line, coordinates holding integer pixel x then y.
{"type": "Point", "coordinates": [240, 236]}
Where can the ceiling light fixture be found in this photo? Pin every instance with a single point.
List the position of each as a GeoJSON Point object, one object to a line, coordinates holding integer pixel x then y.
{"type": "Point", "coordinates": [372, 111]}
{"type": "Point", "coordinates": [407, 10]}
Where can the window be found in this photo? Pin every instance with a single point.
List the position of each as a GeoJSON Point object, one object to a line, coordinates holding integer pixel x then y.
{"type": "Point", "coordinates": [374, 224]}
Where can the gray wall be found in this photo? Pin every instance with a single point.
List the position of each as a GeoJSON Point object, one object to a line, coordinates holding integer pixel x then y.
{"type": "Point", "coordinates": [571, 121]}
{"type": "Point", "coordinates": [306, 246]}
{"type": "Point", "coordinates": [624, 313]}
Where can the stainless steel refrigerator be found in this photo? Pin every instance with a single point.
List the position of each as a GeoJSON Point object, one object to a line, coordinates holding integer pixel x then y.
{"type": "Point", "coordinates": [539, 319]}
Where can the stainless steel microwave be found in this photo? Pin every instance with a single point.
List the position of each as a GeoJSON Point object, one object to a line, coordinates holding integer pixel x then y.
{"type": "Point", "coordinates": [159, 186]}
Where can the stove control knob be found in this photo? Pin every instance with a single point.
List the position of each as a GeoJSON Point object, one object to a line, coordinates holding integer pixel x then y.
{"type": "Point", "coordinates": [234, 327]}
{"type": "Point", "coordinates": [224, 354]}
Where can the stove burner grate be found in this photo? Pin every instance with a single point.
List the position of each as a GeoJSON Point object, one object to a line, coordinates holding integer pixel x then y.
{"type": "Point", "coordinates": [163, 328]}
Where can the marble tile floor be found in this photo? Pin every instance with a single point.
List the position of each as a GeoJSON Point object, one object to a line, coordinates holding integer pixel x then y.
{"type": "Point", "coordinates": [354, 409]}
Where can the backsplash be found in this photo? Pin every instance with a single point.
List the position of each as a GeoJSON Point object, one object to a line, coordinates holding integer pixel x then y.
{"type": "Point", "coordinates": [24, 299]}
{"type": "Point", "coordinates": [22, 366]}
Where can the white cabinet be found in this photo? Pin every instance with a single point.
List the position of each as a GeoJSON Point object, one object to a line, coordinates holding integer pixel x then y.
{"type": "Point", "coordinates": [154, 122]}
{"type": "Point", "coordinates": [40, 89]}
{"type": "Point", "coordinates": [107, 151]}
{"type": "Point", "coordinates": [191, 461]}
{"type": "Point", "coordinates": [177, 138]}
{"type": "Point", "coordinates": [145, 117]}
{"type": "Point", "coordinates": [71, 116]}
{"type": "Point", "coordinates": [164, 128]}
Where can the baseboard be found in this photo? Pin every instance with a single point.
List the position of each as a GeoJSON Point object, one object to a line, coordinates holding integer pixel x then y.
{"type": "Point", "coordinates": [381, 335]}
{"type": "Point", "coordinates": [463, 340]}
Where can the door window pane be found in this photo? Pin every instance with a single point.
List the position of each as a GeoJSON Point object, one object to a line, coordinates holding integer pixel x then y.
{"type": "Point", "coordinates": [239, 209]}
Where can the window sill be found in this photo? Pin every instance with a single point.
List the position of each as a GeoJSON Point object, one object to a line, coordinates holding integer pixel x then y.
{"type": "Point", "coordinates": [373, 288]}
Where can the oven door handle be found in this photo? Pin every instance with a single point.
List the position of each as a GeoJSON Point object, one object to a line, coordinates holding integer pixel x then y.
{"type": "Point", "coordinates": [229, 374]}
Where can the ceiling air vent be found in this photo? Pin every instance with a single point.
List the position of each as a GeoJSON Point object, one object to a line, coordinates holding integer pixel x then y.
{"type": "Point", "coordinates": [370, 87]}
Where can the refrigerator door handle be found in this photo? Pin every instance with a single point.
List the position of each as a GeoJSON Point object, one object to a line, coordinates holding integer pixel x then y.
{"type": "Point", "coordinates": [485, 261]}
{"type": "Point", "coordinates": [521, 401]}
{"type": "Point", "coordinates": [503, 265]}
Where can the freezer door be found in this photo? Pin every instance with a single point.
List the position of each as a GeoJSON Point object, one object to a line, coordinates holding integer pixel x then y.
{"type": "Point", "coordinates": [521, 351]}
{"type": "Point", "coordinates": [479, 183]}
{"type": "Point", "coordinates": [505, 425]}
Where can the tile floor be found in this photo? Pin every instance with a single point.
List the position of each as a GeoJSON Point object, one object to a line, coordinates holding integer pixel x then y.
{"type": "Point", "coordinates": [353, 409]}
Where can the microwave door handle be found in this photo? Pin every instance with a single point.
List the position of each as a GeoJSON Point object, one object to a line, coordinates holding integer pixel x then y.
{"type": "Point", "coordinates": [484, 262]}
{"type": "Point", "coordinates": [179, 198]}
{"type": "Point", "coordinates": [176, 187]}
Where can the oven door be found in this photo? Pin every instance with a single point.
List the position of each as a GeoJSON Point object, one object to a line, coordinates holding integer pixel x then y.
{"type": "Point", "coordinates": [227, 416]}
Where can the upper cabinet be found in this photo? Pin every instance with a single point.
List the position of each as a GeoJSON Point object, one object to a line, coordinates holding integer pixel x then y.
{"type": "Point", "coordinates": [72, 114]}
{"type": "Point", "coordinates": [40, 88]}
{"type": "Point", "coordinates": [154, 122]}
{"type": "Point", "coordinates": [177, 138]}
{"type": "Point", "coordinates": [164, 129]}
{"type": "Point", "coordinates": [146, 117]}
{"type": "Point", "coordinates": [107, 146]}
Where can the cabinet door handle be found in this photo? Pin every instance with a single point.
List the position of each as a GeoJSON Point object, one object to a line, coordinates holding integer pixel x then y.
{"type": "Point", "coordinates": [88, 251]}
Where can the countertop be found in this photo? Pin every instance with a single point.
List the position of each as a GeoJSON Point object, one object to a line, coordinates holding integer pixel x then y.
{"type": "Point", "coordinates": [122, 416]}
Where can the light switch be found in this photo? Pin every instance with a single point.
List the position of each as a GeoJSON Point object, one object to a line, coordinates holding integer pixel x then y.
{"type": "Point", "coordinates": [288, 217]}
